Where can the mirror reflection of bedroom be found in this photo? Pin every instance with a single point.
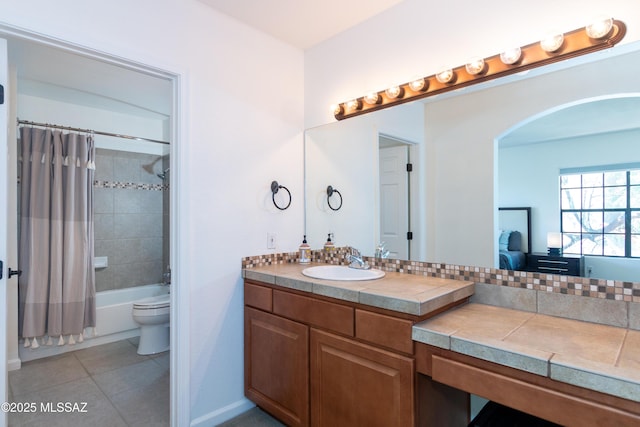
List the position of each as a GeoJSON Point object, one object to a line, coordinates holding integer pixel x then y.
{"type": "Point", "coordinates": [576, 168]}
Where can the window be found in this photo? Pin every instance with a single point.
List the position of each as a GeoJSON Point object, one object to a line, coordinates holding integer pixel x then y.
{"type": "Point", "coordinates": [600, 211]}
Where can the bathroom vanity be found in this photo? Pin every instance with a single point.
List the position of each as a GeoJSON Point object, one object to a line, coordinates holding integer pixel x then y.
{"type": "Point", "coordinates": [332, 353]}
{"type": "Point", "coordinates": [407, 350]}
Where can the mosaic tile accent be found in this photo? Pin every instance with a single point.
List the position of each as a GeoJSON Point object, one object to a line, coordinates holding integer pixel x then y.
{"type": "Point", "coordinates": [552, 283]}
{"type": "Point", "coordinates": [130, 185]}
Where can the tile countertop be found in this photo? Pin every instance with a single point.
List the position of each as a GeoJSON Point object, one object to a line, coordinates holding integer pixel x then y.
{"type": "Point", "coordinates": [593, 356]}
{"type": "Point", "coordinates": [406, 293]}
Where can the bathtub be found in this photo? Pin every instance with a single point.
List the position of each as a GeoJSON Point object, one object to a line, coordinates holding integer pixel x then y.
{"type": "Point", "coordinates": [114, 321]}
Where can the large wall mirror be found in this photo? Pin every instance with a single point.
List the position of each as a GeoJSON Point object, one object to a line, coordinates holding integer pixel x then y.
{"type": "Point", "coordinates": [472, 152]}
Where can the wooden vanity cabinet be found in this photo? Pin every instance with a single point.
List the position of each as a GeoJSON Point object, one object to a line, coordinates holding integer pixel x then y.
{"type": "Point", "coordinates": [308, 363]}
{"type": "Point", "coordinates": [276, 365]}
{"type": "Point", "coordinates": [354, 384]}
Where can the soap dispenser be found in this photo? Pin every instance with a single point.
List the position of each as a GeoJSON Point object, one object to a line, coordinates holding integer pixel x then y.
{"type": "Point", "coordinates": [305, 252]}
{"type": "Point", "coordinates": [329, 246]}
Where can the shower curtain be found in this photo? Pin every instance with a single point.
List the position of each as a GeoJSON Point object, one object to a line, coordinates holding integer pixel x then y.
{"type": "Point", "coordinates": [57, 285]}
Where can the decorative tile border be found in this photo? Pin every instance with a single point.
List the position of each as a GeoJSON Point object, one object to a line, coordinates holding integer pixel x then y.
{"type": "Point", "coordinates": [553, 283]}
{"type": "Point", "coordinates": [126, 185]}
{"type": "Point", "coordinates": [130, 185]}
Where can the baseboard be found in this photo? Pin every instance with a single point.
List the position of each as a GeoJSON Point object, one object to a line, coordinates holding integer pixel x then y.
{"type": "Point", "coordinates": [14, 364]}
{"type": "Point", "coordinates": [223, 414]}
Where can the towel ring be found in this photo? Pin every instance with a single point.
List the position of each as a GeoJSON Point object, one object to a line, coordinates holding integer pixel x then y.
{"type": "Point", "coordinates": [274, 189]}
{"type": "Point", "coordinates": [330, 191]}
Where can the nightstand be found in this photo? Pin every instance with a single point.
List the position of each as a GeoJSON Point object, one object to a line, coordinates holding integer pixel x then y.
{"type": "Point", "coordinates": [566, 264]}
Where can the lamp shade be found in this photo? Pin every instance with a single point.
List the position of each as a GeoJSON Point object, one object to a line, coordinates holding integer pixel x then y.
{"type": "Point", "coordinates": [554, 240]}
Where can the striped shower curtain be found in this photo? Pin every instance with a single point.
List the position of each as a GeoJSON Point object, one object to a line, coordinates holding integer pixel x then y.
{"type": "Point", "coordinates": [57, 286]}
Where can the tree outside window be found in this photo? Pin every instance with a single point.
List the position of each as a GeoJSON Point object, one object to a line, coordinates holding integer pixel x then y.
{"type": "Point", "coordinates": [600, 213]}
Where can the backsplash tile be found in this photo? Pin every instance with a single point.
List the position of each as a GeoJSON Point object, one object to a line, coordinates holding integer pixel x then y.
{"type": "Point", "coordinates": [607, 302]}
{"type": "Point", "coordinates": [595, 310]}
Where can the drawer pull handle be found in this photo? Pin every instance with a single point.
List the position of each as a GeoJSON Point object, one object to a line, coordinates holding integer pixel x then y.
{"type": "Point", "coordinates": [553, 268]}
{"type": "Point", "coordinates": [548, 261]}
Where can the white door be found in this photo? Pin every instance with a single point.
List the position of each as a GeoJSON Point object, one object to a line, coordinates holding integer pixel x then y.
{"type": "Point", "coordinates": [4, 205]}
{"type": "Point", "coordinates": [394, 200]}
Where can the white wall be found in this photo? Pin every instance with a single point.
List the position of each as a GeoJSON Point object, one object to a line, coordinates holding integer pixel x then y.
{"type": "Point", "coordinates": [43, 110]}
{"type": "Point", "coordinates": [241, 121]}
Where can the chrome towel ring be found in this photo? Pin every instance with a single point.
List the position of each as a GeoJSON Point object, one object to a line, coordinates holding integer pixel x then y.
{"type": "Point", "coordinates": [330, 192]}
{"type": "Point", "coordinates": [274, 189]}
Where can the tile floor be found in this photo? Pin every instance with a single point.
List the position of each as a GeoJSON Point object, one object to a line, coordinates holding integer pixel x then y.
{"type": "Point", "coordinates": [120, 388]}
{"type": "Point", "coordinates": [254, 417]}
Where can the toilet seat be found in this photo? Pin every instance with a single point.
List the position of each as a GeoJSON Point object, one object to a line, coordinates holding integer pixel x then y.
{"type": "Point", "coordinates": [152, 303]}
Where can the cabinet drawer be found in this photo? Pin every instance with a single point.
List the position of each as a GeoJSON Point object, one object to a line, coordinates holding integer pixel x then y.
{"type": "Point", "coordinates": [324, 314]}
{"type": "Point", "coordinates": [384, 330]}
{"type": "Point", "coordinates": [556, 264]}
{"type": "Point", "coordinates": [258, 296]}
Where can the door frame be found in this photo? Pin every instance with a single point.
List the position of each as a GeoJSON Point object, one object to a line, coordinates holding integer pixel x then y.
{"type": "Point", "coordinates": [179, 316]}
{"type": "Point", "coordinates": [4, 160]}
{"type": "Point", "coordinates": [415, 183]}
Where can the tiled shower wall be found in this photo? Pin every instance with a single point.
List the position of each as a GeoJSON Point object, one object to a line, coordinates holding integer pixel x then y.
{"type": "Point", "coordinates": [130, 218]}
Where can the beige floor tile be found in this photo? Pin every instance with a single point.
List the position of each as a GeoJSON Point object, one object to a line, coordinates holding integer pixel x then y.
{"type": "Point", "coordinates": [143, 376]}
{"type": "Point", "coordinates": [44, 373]}
{"type": "Point", "coordinates": [99, 411]}
{"type": "Point", "coordinates": [109, 356]}
{"type": "Point", "coordinates": [123, 380]}
{"type": "Point", "coordinates": [255, 417]}
{"type": "Point", "coordinates": [163, 359]}
{"type": "Point", "coordinates": [144, 407]}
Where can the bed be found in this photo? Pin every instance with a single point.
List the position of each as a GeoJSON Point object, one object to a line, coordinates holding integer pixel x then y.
{"type": "Point", "coordinates": [514, 241]}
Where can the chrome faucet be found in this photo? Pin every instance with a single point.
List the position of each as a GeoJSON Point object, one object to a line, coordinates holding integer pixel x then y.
{"type": "Point", "coordinates": [381, 251]}
{"type": "Point", "coordinates": [355, 260]}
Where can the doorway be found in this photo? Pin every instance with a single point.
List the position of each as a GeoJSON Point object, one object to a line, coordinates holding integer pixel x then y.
{"type": "Point", "coordinates": [395, 167]}
{"type": "Point", "coordinates": [104, 84]}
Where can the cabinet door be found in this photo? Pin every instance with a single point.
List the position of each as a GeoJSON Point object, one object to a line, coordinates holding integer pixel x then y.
{"type": "Point", "coordinates": [277, 366]}
{"type": "Point", "coordinates": [354, 384]}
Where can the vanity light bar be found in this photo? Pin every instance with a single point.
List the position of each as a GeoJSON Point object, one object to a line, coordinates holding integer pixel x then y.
{"type": "Point", "coordinates": [554, 49]}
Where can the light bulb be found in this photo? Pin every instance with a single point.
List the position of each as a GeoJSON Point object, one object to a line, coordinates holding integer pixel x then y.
{"type": "Point", "coordinates": [599, 28]}
{"type": "Point", "coordinates": [445, 76]}
{"type": "Point", "coordinates": [475, 66]}
{"type": "Point", "coordinates": [372, 98]}
{"type": "Point", "coordinates": [418, 84]}
{"type": "Point", "coordinates": [353, 105]}
{"type": "Point", "coordinates": [552, 42]}
{"type": "Point", "coordinates": [511, 56]}
{"type": "Point", "coordinates": [394, 92]}
{"type": "Point", "coordinates": [336, 109]}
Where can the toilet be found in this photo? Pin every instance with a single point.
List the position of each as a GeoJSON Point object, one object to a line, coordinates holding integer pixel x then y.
{"type": "Point", "coordinates": [152, 314]}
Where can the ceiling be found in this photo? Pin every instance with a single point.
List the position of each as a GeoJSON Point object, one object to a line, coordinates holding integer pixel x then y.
{"type": "Point", "coordinates": [600, 116]}
{"type": "Point", "coordinates": [301, 23]}
{"type": "Point", "coordinates": [64, 76]}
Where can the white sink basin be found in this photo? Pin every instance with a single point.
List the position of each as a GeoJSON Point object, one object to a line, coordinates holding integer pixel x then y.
{"type": "Point", "coordinates": [341, 272]}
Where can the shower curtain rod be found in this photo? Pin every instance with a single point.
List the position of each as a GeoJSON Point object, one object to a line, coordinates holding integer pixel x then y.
{"type": "Point", "coordinates": [47, 125]}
